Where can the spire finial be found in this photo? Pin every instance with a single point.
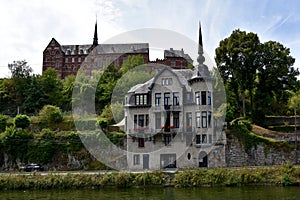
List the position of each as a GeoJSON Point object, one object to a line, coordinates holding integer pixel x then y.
{"type": "Point", "coordinates": [200, 58]}
{"type": "Point", "coordinates": [95, 40]}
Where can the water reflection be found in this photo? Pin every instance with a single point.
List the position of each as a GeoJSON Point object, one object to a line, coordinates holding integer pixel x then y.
{"type": "Point", "coordinates": [218, 193]}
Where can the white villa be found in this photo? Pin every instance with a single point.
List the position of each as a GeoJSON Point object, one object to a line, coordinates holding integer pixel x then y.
{"type": "Point", "coordinates": [170, 123]}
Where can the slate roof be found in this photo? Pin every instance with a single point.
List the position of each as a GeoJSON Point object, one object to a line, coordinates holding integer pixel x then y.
{"type": "Point", "coordinates": [123, 48]}
{"type": "Point", "coordinates": [108, 48]}
{"type": "Point", "coordinates": [177, 53]}
{"type": "Point", "coordinates": [183, 75]}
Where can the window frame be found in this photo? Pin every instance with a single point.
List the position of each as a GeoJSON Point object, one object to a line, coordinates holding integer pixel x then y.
{"type": "Point", "coordinates": [198, 119]}
{"type": "Point", "coordinates": [136, 159]}
{"type": "Point", "coordinates": [197, 98]}
{"type": "Point", "coordinates": [175, 98]}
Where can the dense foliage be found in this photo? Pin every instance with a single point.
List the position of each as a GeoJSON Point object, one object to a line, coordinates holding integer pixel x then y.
{"type": "Point", "coordinates": [50, 114]}
{"type": "Point", "coordinates": [257, 75]}
{"type": "Point", "coordinates": [21, 121]}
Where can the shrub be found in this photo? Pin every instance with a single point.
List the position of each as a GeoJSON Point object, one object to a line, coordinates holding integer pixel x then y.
{"type": "Point", "coordinates": [21, 121]}
{"type": "Point", "coordinates": [241, 121]}
{"type": "Point", "coordinates": [50, 114]}
{"type": "Point", "coordinates": [3, 122]}
{"type": "Point", "coordinates": [103, 123]}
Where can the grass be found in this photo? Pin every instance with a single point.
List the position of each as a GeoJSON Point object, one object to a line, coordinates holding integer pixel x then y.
{"type": "Point", "coordinates": [285, 175]}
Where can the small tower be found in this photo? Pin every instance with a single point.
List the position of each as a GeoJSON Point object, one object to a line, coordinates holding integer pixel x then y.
{"type": "Point", "coordinates": [95, 40]}
{"type": "Point", "coordinates": [201, 69]}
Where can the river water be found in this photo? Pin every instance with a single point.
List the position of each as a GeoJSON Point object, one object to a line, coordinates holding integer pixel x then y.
{"type": "Point", "coordinates": [217, 193]}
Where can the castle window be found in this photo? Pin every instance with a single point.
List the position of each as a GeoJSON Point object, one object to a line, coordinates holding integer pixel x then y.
{"type": "Point", "coordinates": [175, 98]}
{"type": "Point", "coordinates": [203, 97]}
{"type": "Point", "coordinates": [189, 120]}
{"type": "Point", "coordinates": [136, 159]}
{"type": "Point", "coordinates": [73, 59]}
{"type": "Point", "coordinates": [198, 119]}
{"type": "Point", "coordinates": [141, 121]}
{"type": "Point", "coordinates": [66, 60]}
{"type": "Point", "coordinates": [107, 60]}
{"type": "Point", "coordinates": [173, 63]}
{"type": "Point", "coordinates": [197, 98]}
{"type": "Point", "coordinates": [208, 98]}
{"type": "Point", "coordinates": [204, 119]}
{"type": "Point", "coordinates": [167, 99]}
{"type": "Point", "coordinates": [79, 59]}
{"type": "Point", "coordinates": [157, 99]}
{"type": "Point", "coordinates": [57, 65]}
{"type": "Point", "coordinates": [209, 119]}
{"type": "Point", "coordinates": [116, 61]}
{"type": "Point", "coordinates": [198, 139]}
{"type": "Point", "coordinates": [141, 142]}
{"type": "Point", "coordinates": [167, 81]}
{"type": "Point", "coordinates": [176, 119]}
{"type": "Point", "coordinates": [57, 55]}
{"type": "Point", "coordinates": [204, 139]}
{"type": "Point", "coordinates": [141, 99]}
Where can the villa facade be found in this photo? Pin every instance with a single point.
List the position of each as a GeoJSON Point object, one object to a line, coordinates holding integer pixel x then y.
{"type": "Point", "coordinates": [170, 123]}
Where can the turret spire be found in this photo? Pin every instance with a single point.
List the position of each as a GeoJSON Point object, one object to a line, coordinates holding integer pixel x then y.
{"type": "Point", "coordinates": [95, 40]}
{"type": "Point", "coordinates": [200, 58]}
{"type": "Point", "coordinates": [201, 70]}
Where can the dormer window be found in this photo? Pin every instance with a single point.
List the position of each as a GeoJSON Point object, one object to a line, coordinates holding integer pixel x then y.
{"type": "Point", "coordinates": [167, 81]}
{"type": "Point", "coordinates": [141, 99]}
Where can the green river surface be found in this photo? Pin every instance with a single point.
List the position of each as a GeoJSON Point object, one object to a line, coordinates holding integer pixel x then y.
{"type": "Point", "coordinates": [214, 193]}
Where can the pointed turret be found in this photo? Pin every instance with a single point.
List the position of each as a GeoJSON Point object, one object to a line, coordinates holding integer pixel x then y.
{"type": "Point", "coordinates": [201, 69]}
{"type": "Point", "coordinates": [95, 40]}
{"type": "Point", "coordinates": [200, 58]}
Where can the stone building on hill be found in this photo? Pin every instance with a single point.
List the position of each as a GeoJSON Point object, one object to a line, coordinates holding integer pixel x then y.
{"type": "Point", "coordinates": [67, 59]}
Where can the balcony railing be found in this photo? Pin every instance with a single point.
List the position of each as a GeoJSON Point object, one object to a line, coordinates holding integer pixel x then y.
{"type": "Point", "coordinates": [157, 108]}
{"type": "Point", "coordinates": [141, 130]}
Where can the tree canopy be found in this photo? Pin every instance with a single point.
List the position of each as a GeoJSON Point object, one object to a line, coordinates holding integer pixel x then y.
{"type": "Point", "coordinates": [254, 70]}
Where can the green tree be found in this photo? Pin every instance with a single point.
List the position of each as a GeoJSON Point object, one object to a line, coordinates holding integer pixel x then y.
{"type": "Point", "coordinates": [106, 86]}
{"type": "Point", "coordinates": [259, 71]}
{"type": "Point", "coordinates": [20, 69]}
{"type": "Point", "coordinates": [16, 142]}
{"type": "Point", "coordinates": [50, 114]}
{"type": "Point", "coordinates": [131, 63]}
{"type": "Point", "coordinates": [20, 77]}
{"type": "Point", "coordinates": [67, 91]}
{"type": "Point", "coordinates": [8, 94]}
{"type": "Point", "coordinates": [21, 121]}
{"type": "Point", "coordinates": [3, 122]}
{"type": "Point", "coordinates": [34, 95]}
{"type": "Point", "coordinates": [237, 61]}
{"type": "Point", "coordinates": [275, 76]}
{"type": "Point", "coordinates": [52, 87]}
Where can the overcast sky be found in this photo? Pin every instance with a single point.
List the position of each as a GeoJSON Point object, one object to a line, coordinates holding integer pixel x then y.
{"type": "Point", "coordinates": [28, 26]}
